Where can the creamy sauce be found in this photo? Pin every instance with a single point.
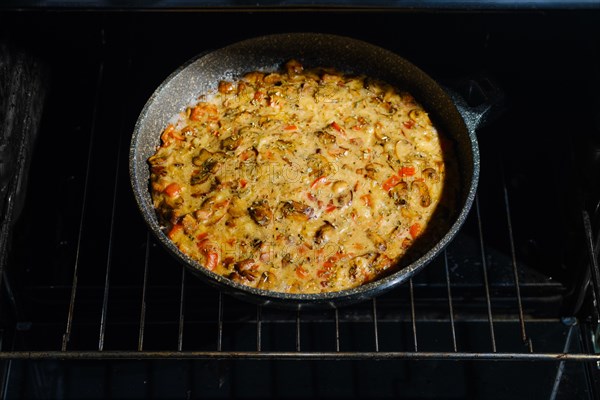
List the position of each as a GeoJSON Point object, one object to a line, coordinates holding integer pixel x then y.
{"type": "Point", "coordinates": [300, 181]}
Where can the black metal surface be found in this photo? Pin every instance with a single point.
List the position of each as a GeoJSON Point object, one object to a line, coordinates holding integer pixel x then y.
{"type": "Point", "coordinates": [491, 317]}
{"type": "Point", "coordinates": [203, 73]}
{"type": "Point", "coordinates": [265, 5]}
{"type": "Point", "coordinates": [22, 91]}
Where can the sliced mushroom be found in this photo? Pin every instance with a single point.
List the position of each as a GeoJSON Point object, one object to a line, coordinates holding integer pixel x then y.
{"type": "Point", "coordinates": [372, 169]}
{"type": "Point", "coordinates": [414, 114]}
{"type": "Point", "coordinates": [337, 151]}
{"type": "Point", "coordinates": [296, 210]}
{"type": "Point", "coordinates": [228, 263]}
{"type": "Point", "coordinates": [400, 194]}
{"type": "Point", "coordinates": [207, 159]}
{"type": "Point", "coordinates": [226, 87]}
{"type": "Point", "coordinates": [273, 78]}
{"type": "Point", "coordinates": [201, 158]}
{"type": "Point", "coordinates": [431, 174]}
{"type": "Point", "coordinates": [388, 107]}
{"type": "Point", "coordinates": [325, 138]}
{"type": "Point", "coordinates": [287, 260]}
{"type": "Point", "coordinates": [244, 265]}
{"type": "Point", "coordinates": [373, 85]}
{"type": "Point", "coordinates": [275, 99]}
{"type": "Point", "coordinates": [212, 166]}
{"type": "Point", "coordinates": [266, 279]}
{"type": "Point", "coordinates": [260, 212]}
{"type": "Point", "coordinates": [379, 131]}
{"type": "Point", "coordinates": [201, 185]}
{"type": "Point", "coordinates": [236, 276]}
{"type": "Point", "coordinates": [210, 163]}
{"type": "Point", "coordinates": [244, 118]}
{"type": "Point", "coordinates": [325, 93]}
{"type": "Point", "coordinates": [325, 233]}
{"type": "Point", "coordinates": [256, 243]}
{"type": "Point", "coordinates": [271, 123]}
{"type": "Point", "coordinates": [283, 145]}
{"type": "Point", "coordinates": [157, 160]}
{"type": "Point", "coordinates": [255, 77]}
{"type": "Point", "coordinates": [266, 252]}
{"type": "Point", "coordinates": [377, 240]}
{"type": "Point", "coordinates": [424, 197]}
{"type": "Point", "coordinates": [212, 210]}
{"type": "Point", "coordinates": [382, 263]}
{"type": "Point", "coordinates": [419, 116]}
{"type": "Point", "coordinates": [246, 269]}
{"type": "Point", "coordinates": [403, 149]}
{"type": "Point", "coordinates": [361, 266]}
{"type": "Point", "coordinates": [189, 223]}
{"type": "Point", "coordinates": [231, 143]}
{"type": "Point", "coordinates": [319, 166]}
{"type": "Point", "coordinates": [342, 192]}
{"type": "Point", "coordinates": [198, 177]}
{"type": "Point", "coordinates": [293, 67]}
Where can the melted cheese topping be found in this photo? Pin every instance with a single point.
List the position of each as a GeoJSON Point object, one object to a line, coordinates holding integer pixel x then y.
{"type": "Point", "coordinates": [300, 181]}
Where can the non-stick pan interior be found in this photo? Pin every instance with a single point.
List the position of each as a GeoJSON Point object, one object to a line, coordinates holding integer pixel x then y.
{"type": "Point", "coordinates": [268, 53]}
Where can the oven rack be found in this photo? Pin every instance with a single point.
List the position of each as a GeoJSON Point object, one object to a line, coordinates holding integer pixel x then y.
{"type": "Point", "coordinates": [158, 310]}
{"type": "Point", "coordinates": [514, 319]}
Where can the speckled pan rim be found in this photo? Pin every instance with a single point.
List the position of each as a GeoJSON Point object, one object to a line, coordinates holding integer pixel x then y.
{"type": "Point", "coordinates": [287, 300]}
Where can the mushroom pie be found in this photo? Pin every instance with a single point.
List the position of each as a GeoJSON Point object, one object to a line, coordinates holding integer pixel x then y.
{"type": "Point", "coordinates": [302, 180]}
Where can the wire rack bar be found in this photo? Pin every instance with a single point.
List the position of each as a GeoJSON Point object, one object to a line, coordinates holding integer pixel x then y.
{"type": "Point", "coordinates": [450, 306]}
{"type": "Point", "coordinates": [524, 337]}
{"type": "Point", "coordinates": [413, 314]}
{"type": "Point", "coordinates": [298, 347]}
{"type": "Point", "coordinates": [181, 311]}
{"type": "Point", "coordinates": [264, 355]}
{"type": "Point", "coordinates": [589, 235]}
{"type": "Point", "coordinates": [375, 323]}
{"type": "Point", "coordinates": [258, 328]}
{"type": "Point", "coordinates": [109, 251]}
{"type": "Point", "coordinates": [144, 290]}
{"type": "Point", "coordinates": [337, 329]}
{"type": "Point", "coordinates": [68, 329]}
{"type": "Point", "coordinates": [220, 323]}
{"type": "Point", "coordinates": [486, 283]}
{"type": "Point", "coordinates": [561, 366]}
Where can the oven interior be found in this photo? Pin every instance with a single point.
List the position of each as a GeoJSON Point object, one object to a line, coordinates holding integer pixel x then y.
{"type": "Point", "coordinates": [93, 307]}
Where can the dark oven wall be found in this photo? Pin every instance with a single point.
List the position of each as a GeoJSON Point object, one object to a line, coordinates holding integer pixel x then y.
{"type": "Point", "coordinates": [82, 274]}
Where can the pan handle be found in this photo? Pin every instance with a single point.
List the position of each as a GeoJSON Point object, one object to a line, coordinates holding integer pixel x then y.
{"type": "Point", "coordinates": [479, 99]}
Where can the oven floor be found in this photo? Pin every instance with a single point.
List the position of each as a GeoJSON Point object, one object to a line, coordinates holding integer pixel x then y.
{"type": "Point", "coordinates": [292, 380]}
{"type": "Point", "coordinates": [365, 379]}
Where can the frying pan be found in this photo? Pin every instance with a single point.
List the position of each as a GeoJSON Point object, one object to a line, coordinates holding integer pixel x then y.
{"type": "Point", "coordinates": [202, 74]}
